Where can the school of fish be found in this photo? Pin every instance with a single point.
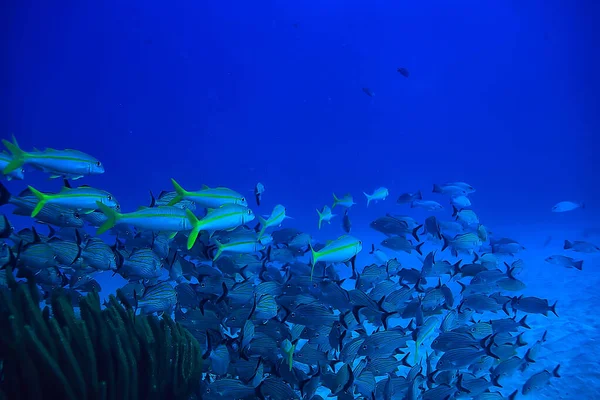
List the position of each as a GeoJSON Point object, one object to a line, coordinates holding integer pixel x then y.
{"type": "Point", "coordinates": [266, 302]}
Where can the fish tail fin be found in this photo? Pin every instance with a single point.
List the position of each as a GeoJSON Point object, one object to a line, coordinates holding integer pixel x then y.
{"type": "Point", "coordinates": [42, 200]}
{"type": "Point", "coordinates": [196, 226]}
{"type": "Point", "coordinates": [263, 226]}
{"type": "Point", "coordinates": [320, 217]}
{"type": "Point", "coordinates": [335, 201]}
{"type": "Point", "coordinates": [314, 255]}
{"type": "Point", "coordinates": [219, 250]}
{"type": "Point", "coordinates": [578, 264]}
{"type": "Point", "coordinates": [446, 242]}
{"type": "Point", "coordinates": [418, 248]}
{"type": "Point", "coordinates": [436, 188]}
{"type": "Point", "coordinates": [112, 217]}
{"type": "Point", "coordinates": [180, 193]}
{"type": "Point", "coordinates": [18, 156]}
{"type": "Point", "coordinates": [568, 245]}
{"type": "Point", "coordinates": [369, 198]}
{"type": "Point", "coordinates": [4, 195]}
{"type": "Point", "coordinates": [553, 308]}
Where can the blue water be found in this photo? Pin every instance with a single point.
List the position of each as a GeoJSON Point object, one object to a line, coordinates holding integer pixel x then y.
{"type": "Point", "coordinates": [502, 95]}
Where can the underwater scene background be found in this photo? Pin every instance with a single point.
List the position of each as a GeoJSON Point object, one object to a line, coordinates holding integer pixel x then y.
{"type": "Point", "coordinates": [483, 106]}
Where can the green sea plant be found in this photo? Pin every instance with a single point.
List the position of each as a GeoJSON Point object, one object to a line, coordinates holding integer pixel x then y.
{"type": "Point", "coordinates": [96, 353]}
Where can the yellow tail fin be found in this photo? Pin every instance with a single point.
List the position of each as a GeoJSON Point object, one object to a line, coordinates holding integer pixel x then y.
{"type": "Point", "coordinates": [112, 215]}
{"type": "Point", "coordinates": [196, 226]}
{"type": "Point", "coordinates": [42, 200]}
{"type": "Point", "coordinates": [181, 192]}
{"type": "Point", "coordinates": [18, 156]}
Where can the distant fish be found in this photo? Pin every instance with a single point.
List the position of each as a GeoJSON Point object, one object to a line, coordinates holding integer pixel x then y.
{"type": "Point", "coordinates": [465, 186]}
{"type": "Point", "coordinates": [565, 261]}
{"type": "Point", "coordinates": [581, 246]}
{"type": "Point", "coordinates": [428, 205]}
{"type": "Point", "coordinates": [368, 92]}
{"type": "Point", "coordinates": [325, 215]}
{"type": "Point", "coordinates": [460, 201]}
{"type": "Point", "coordinates": [379, 194]}
{"type": "Point", "coordinates": [565, 206]}
{"type": "Point", "coordinates": [409, 197]}
{"type": "Point", "coordinates": [275, 219]}
{"type": "Point", "coordinates": [403, 71]}
{"type": "Point", "coordinates": [450, 190]}
{"type": "Point", "coordinates": [540, 380]}
{"type": "Point", "coordinates": [258, 191]}
{"type": "Point", "coordinates": [346, 224]}
{"type": "Point", "coordinates": [346, 201]}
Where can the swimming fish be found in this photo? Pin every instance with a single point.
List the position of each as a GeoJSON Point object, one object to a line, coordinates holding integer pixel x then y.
{"type": "Point", "coordinates": [226, 217]}
{"type": "Point", "coordinates": [565, 261]}
{"type": "Point", "coordinates": [565, 206]}
{"type": "Point", "coordinates": [379, 194]}
{"type": "Point", "coordinates": [259, 189]}
{"type": "Point", "coordinates": [325, 215]}
{"type": "Point", "coordinates": [83, 198]}
{"type": "Point", "coordinates": [346, 201]}
{"type": "Point", "coordinates": [409, 197]}
{"type": "Point", "coordinates": [163, 219]}
{"type": "Point", "coordinates": [275, 219]}
{"type": "Point", "coordinates": [208, 197]}
{"type": "Point", "coordinates": [69, 164]}
{"type": "Point", "coordinates": [340, 250]}
{"type": "Point", "coordinates": [581, 246]}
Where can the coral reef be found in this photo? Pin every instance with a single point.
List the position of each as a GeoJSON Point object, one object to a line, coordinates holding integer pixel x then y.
{"type": "Point", "coordinates": [103, 353]}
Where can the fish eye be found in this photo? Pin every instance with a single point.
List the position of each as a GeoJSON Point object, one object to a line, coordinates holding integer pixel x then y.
{"type": "Point", "coordinates": [365, 347]}
{"type": "Point", "coordinates": [243, 199]}
{"type": "Point", "coordinates": [293, 315]}
{"type": "Point", "coordinates": [317, 334]}
{"type": "Point", "coordinates": [203, 285]}
{"type": "Point", "coordinates": [435, 341]}
{"type": "Point", "coordinates": [98, 163]}
{"type": "Point", "coordinates": [249, 212]}
{"type": "Point", "coordinates": [207, 390]}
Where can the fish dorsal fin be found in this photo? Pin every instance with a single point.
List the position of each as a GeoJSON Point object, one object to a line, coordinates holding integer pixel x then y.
{"type": "Point", "coordinates": [327, 243]}
{"type": "Point", "coordinates": [65, 189]}
{"type": "Point", "coordinates": [85, 186]}
{"type": "Point", "coordinates": [205, 187]}
{"type": "Point", "coordinates": [140, 208]}
{"type": "Point", "coordinates": [152, 200]}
